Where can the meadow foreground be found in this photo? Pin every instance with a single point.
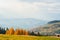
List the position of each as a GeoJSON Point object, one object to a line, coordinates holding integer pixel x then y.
{"type": "Point", "coordinates": [22, 37]}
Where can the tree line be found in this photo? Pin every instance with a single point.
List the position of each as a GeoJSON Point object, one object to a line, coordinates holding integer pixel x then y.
{"type": "Point", "coordinates": [11, 31]}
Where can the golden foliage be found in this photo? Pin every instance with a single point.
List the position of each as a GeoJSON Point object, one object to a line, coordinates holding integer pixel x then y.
{"type": "Point", "coordinates": [7, 32]}
{"type": "Point", "coordinates": [16, 32]}
{"type": "Point", "coordinates": [10, 31]}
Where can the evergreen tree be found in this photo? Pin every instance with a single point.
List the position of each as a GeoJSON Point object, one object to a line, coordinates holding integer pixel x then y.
{"type": "Point", "coordinates": [32, 33]}
{"type": "Point", "coordinates": [38, 34]}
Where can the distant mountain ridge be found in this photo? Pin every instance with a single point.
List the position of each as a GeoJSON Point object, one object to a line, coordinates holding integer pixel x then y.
{"type": "Point", "coordinates": [55, 21]}
{"type": "Point", "coordinates": [50, 28]}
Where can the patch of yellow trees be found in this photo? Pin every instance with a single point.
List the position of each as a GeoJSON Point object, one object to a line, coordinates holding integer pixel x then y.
{"type": "Point", "coordinates": [11, 31]}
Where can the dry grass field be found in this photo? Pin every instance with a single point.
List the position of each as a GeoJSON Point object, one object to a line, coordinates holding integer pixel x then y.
{"type": "Point", "coordinates": [22, 37]}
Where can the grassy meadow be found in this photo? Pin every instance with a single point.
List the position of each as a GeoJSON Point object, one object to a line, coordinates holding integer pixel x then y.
{"type": "Point", "coordinates": [23, 37]}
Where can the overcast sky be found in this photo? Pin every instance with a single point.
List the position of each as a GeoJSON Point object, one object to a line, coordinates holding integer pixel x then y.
{"type": "Point", "coordinates": [38, 9]}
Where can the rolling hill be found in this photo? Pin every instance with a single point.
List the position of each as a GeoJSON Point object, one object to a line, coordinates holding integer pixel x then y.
{"type": "Point", "coordinates": [50, 28]}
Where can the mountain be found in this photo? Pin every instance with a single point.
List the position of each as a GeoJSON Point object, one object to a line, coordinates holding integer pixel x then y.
{"type": "Point", "coordinates": [55, 21]}
{"type": "Point", "coordinates": [51, 28]}
{"type": "Point", "coordinates": [25, 23]}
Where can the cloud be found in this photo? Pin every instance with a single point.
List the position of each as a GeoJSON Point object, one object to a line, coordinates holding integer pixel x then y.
{"type": "Point", "coordinates": [34, 9]}
{"type": "Point", "coordinates": [40, 0]}
{"type": "Point", "coordinates": [21, 9]}
{"type": "Point", "coordinates": [54, 8]}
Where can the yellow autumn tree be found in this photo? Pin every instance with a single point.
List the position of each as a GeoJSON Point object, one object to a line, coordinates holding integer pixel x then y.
{"type": "Point", "coordinates": [10, 31]}
{"type": "Point", "coordinates": [21, 31]}
{"type": "Point", "coordinates": [26, 33]}
{"type": "Point", "coordinates": [7, 32]}
{"type": "Point", "coordinates": [17, 32]}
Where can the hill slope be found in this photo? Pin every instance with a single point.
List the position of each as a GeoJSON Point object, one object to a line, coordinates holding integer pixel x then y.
{"type": "Point", "coordinates": [48, 29]}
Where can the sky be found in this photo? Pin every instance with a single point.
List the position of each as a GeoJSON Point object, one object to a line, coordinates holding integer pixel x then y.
{"type": "Point", "coordinates": [38, 9]}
